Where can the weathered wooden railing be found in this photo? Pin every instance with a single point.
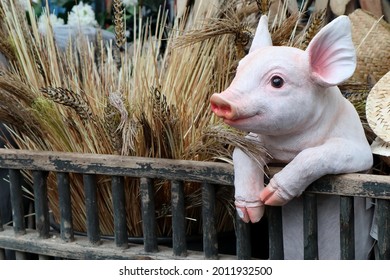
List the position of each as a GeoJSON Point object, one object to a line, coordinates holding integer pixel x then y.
{"type": "Point", "coordinates": [42, 242]}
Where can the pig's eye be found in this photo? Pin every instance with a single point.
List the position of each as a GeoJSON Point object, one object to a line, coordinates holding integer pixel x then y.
{"type": "Point", "coordinates": [277, 82]}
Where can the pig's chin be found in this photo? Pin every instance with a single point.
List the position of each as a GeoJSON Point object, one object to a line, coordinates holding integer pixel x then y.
{"type": "Point", "coordinates": [244, 123]}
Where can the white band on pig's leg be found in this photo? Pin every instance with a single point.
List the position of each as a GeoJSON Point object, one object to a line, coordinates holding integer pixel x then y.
{"type": "Point", "coordinates": [249, 210]}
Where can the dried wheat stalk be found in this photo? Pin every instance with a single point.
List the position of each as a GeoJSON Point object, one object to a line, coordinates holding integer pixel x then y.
{"type": "Point", "coordinates": [263, 6]}
{"type": "Point", "coordinates": [119, 23]}
{"type": "Point", "coordinates": [69, 98]}
{"type": "Point", "coordinates": [316, 22]}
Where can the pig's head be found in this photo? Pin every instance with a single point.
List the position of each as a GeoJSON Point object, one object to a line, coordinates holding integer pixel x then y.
{"type": "Point", "coordinates": [277, 90]}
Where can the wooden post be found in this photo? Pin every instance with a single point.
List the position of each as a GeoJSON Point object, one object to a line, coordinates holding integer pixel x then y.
{"type": "Point", "coordinates": [119, 205]}
{"type": "Point", "coordinates": [41, 204]}
{"type": "Point", "coordinates": [310, 227]}
{"type": "Point", "coordinates": [347, 228]}
{"type": "Point", "coordinates": [148, 215]}
{"type": "Point", "coordinates": [178, 219]}
{"type": "Point", "coordinates": [66, 220]}
{"type": "Point", "coordinates": [275, 229]}
{"type": "Point", "coordinates": [15, 178]}
{"type": "Point", "coordinates": [243, 242]}
{"type": "Point", "coordinates": [383, 228]}
{"type": "Point", "coordinates": [91, 205]}
{"type": "Point", "coordinates": [210, 241]}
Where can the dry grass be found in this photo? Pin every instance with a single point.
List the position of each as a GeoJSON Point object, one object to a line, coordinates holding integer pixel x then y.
{"type": "Point", "coordinates": [134, 101]}
{"type": "Point", "coordinates": [150, 104]}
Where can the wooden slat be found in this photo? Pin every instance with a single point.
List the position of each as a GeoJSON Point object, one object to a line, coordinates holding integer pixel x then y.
{"type": "Point", "coordinates": [41, 204]}
{"type": "Point", "coordinates": [383, 229]}
{"type": "Point", "coordinates": [118, 165]}
{"type": "Point", "coordinates": [178, 219]}
{"type": "Point", "coordinates": [81, 248]}
{"type": "Point", "coordinates": [148, 215]}
{"type": "Point", "coordinates": [362, 185]}
{"type": "Point", "coordinates": [1, 221]}
{"type": "Point", "coordinates": [66, 220]}
{"type": "Point", "coordinates": [43, 257]}
{"type": "Point", "coordinates": [243, 242]}
{"type": "Point", "coordinates": [17, 201]}
{"type": "Point", "coordinates": [359, 185]}
{"type": "Point", "coordinates": [347, 228]}
{"type": "Point", "coordinates": [210, 241]}
{"type": "Point", "coordinates": [275, 232]}
{"type": "Point", "coordinates": [20, 255]}
{"type": "Point", "coordinates": [310, 227]}
{"type": "Point", "coordinates": [119, 205]}
{"type": "Point", "coordinates": [91, 205]}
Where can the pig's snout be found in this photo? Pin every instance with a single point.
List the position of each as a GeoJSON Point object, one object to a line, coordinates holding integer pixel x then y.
{"type": "Point", "coordinates": [222, 108]}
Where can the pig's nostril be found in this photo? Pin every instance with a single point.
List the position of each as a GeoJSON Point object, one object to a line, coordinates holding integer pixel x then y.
{"type": "Point", "coordinates": [220, 109]}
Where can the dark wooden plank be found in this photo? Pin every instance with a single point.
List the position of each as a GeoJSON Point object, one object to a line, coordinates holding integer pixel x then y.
{"type": "Point", "coordinates": [43, 257]}
{"type": "Point", "coordinates": [347, 228]}
{"type": "Point", "coordinates": [275, 229]}
{"type": "Point", "coordinates": [42, 220]}
{"type": "Point", "coordinates": [178, 219]}
{"type": "Point", "coordinates": [1, 222]}
{"type": "Point", "coordinates": [66, 220]}
{"type": "Point", "coordinates": [81, 249]}
{"type": "Point", "coordinates": [383, 228]}
{"type": "Point", "coordinates": [310, 227]}
{"type": "Point", "coordinates": [91, 206]}
{"type": "Point", "coordinates": [15, 178]}
{"type": "Point", "coordinates": [243, 240]}
{"type": "Point", "coordinates": [148, 215]}
{"type": "Point", "coordinates": [20, 255]}
{"type": "Point", "coordinates": [360, 185]}
{"type": "Point", "coordinates": [210, 240]}
{"type": "Point", "coordinates": [170, 169]}
{"type": "Point", "coordinates": [119, 205]}
{"type": "Point", "coordinates": [2, 254]}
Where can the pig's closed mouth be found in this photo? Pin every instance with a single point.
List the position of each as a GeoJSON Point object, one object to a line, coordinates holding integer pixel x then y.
{"type": "Point", "coordinates": [242, 120]}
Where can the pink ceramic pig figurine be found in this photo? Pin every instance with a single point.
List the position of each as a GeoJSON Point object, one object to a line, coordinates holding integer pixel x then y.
{"type": "Point", "coordinates": [287, 99]}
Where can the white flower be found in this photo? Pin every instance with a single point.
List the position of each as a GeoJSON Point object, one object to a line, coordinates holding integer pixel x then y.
{"type": "Point", "coordinates": [25, 3]}
{"type": "Point", "coordinates": [43, 22]}
{"type": "Point", "coordinates": [82, 15]}
{"type": "Point", "coordinates": [128, 3]}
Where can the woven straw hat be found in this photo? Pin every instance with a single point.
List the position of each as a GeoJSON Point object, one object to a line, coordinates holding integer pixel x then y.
{"type": "Point", "coordinates": [378, 115]}
{"type": "Point", "coordinates": [378, 108]}
{"type": "Point", "coordinates": [380, 147]}
{"type": "Point", "coordinates": [372, 40]}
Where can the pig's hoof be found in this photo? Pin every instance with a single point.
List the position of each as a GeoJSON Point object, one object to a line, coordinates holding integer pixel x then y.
{"type": "Point", "coordinates": [270, 196]}
{"type": "Point", "coordinates": [250, 214]}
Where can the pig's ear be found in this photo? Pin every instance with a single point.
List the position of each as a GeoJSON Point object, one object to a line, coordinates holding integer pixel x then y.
{"type": "Point", "coordinates": [262, 37]}
{"type": "Point", "coordinates": [332, 53]}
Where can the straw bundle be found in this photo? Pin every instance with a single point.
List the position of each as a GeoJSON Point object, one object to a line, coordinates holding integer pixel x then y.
{"type": "Point", "coordinates": [106, 99]}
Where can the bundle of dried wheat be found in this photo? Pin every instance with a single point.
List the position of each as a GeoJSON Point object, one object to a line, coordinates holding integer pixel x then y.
{"type": "Point", "coordinates": [103, 98]}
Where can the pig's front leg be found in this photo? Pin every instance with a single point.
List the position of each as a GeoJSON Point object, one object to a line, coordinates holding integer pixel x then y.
{"type": "Point", "coordinates": [248, 183]}
{"type": "Point", "coordinates": [335, 157]}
